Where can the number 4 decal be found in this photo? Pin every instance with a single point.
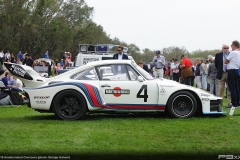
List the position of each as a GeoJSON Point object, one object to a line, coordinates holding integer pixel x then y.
{"type": "Point", "coordinates": [145, 96]}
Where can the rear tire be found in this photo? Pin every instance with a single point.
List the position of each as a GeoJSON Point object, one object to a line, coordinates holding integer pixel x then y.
{"type": "Point", "coordinates": [182, 105]}
{"type": "Point", "coordinates": [69, 105]}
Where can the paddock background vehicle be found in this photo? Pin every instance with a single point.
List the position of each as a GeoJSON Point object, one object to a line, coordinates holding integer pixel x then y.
{"type": "Point", "coordinates": [42, 70]}
{"type": "Point", "coordinates": [125, 88]}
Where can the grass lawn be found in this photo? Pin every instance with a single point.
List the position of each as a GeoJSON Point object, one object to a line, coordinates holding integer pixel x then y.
{"type": "Point", "coordinates": [24, 131]}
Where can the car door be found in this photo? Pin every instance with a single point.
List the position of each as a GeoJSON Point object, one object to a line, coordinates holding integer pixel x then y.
{"type": "Point", "coordinates": [121, 88]}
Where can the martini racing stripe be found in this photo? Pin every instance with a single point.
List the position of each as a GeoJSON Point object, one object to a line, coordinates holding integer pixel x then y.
{"type": "Point", "coordinates": [136, 106]}
{"type": "Point", "coordinates": [90, 91]}
{"type": "Point", "coordinates": [93, 96]}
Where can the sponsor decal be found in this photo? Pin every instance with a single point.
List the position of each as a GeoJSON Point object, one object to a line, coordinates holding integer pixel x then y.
{"type": "Point", "coordinates": [205, 99]}
{"type": "Point", "coordinates": [41, 102]}
{"type": "Point", "coordinates": [117, 91]}
{"type": "Point", "coordinates": [205, 95]}
{"type": "Point", "coordinates": [18, 70]}
{"type": "Point", "coordinates": [86, 60]}
{"type": "Point", "coordinates": [41, 97]}
{"type": "Point", "coordinates": [162, 91]}
{"type": "Point", "coordinates": [167, 86]}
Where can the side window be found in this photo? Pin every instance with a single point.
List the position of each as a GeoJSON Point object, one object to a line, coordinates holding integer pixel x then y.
{"type": "Point", "coordinates": [113, 73]}
{"type": "Point", "coordinates": [85, 75]}
{"type": "Point", "coordinates": [89, 75]}
{"type": "Point", "coordinates": [133, 75]}
{"type": "Point", "coordinates": [75, 76]}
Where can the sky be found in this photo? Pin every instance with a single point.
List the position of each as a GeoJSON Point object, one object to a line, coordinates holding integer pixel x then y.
{"type": "Point", "coordinates": [158, 24]}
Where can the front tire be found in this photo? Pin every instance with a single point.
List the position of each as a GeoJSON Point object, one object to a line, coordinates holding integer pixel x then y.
{"type": "Point", "coordinates": [69, 105]}
{"type": "Point", "coordinates": [182, 105]}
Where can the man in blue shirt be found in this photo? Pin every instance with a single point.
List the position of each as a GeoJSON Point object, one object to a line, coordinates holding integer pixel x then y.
{"type": "Point", "coordinates": [46, 55]}
{"type": "Point", "coordinates": [20, 56]}
{"type": "Point", "coordinates": [5, 80]}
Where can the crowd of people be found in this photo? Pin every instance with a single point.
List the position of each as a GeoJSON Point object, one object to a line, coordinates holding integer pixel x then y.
{"type": "Point", "coordinates": [10, 81]}
{"type": "Point", "coordinates": [220, 70]}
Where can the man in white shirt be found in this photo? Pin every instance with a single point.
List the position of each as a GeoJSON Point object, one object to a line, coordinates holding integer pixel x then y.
{"type": "Point", "coordinates": [1, 57]}
{"type": "Point", "coordinates": [7, 56]}
{"type": "Point", "coordinates": [233, 64]}
{"type": "Point", "coordinates": [175, 70]}
{"type": "Point", "coordinates": [18, 85]}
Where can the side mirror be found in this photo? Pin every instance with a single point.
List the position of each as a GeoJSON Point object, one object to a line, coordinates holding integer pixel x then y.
{"type": "Point", "coordinates": [140, 79]}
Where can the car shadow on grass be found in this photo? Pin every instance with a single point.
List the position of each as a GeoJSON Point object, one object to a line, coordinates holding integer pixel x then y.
{"type": "Point", "coordinates": [100, 116]}
{"type": "Point", "coordinates": [161, 115]}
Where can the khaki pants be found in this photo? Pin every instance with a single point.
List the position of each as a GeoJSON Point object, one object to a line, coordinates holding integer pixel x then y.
{"type": "Point", "coordinates": [221, 88]}
{"type": "Point", "coordinates": [158, 73]}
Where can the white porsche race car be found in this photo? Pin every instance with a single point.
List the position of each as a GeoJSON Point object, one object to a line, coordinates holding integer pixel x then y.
{"type": "Point", "coordinates": [112, 86]}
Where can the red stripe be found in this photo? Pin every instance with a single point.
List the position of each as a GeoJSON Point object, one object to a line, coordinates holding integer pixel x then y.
{"type": "Point", "coordinates": [137, 107]}
{"type": "Point", "coordinates": [92, 95]}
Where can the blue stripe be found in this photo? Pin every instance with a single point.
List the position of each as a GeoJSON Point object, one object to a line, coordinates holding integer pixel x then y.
{"type": "Point", "coordinates": [78, 84]}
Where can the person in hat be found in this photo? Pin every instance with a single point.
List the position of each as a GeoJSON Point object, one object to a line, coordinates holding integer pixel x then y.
{"type": "Point", "coordinates": [158, 63]}
{"type": "Point", "coordinates": [29, 61]}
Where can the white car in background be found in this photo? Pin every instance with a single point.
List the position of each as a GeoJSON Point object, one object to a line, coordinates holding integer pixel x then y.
{"type": "Point", "coordinates": [112, 86]}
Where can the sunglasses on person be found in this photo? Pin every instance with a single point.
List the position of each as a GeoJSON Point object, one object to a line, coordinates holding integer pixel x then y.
{"type": "Point", "coordinates": [119, 50]}
{"type": "Point", "coordinates": [225, 48]}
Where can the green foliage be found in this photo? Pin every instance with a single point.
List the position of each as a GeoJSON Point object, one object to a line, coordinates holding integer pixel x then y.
{"type": "Point", "coordinates": [61, 25]}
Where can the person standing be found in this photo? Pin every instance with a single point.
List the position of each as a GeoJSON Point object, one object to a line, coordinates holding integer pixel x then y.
{"type": "Point", "coordinates": [46, 55]}
{"type": "Point", "coordinates": [7, 56]}
{"type": "Point", "coordinates": [197, 73]}
{"type": "Point", "coordinates": [204, 72]}
{"type": "Point", "coordinates": [222, 73]}
{"type": "Point", "coordinates": [186, 73]}
{"type": "Point", "coordinates": [193, 71]}
{"type": "Point", "coordinates": [1, 57]}
{"type": "Point", "coordinates": [158, 63]}
{"type": "Point", "coordinates": [19, 56]}
{"type": "Point", "coordinates": [64, 55]}
{"type": "Point", "coordinates": [233, 64]}
{"type": "Point", "coordinates": [12, 59]}
{"type": "Point", "coordinates": [24, 58]}
{"type": "Point", "coordinates": [28, 61]}
{"type": "Point", "coordinates": [120, 55]}
{"type": "Point", "coordinates": [175, 70]}
{"type": "Point", "coordinates": [171, 68]}
{"type": "Point", "coordinates": [212, 74]}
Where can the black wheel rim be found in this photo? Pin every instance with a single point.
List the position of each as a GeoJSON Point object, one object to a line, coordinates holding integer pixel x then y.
{"type": "Point", "coordinates": [182, 105]}
{"type": "Point", "coordinates": [69, 106]}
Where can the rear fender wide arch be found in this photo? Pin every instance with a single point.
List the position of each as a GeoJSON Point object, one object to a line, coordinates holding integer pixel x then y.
{"type": "Point", "coordinates": [81, 93]}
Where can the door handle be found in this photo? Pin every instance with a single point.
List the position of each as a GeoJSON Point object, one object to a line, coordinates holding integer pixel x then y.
{"type": "Point", "coordinates": [105, 85]}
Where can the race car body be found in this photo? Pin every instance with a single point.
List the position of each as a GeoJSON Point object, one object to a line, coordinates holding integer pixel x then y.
{"type": "Point", "coordinates": [112, 86]}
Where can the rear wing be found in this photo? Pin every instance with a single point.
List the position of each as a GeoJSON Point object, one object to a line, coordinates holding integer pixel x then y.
{"type": "Point", "coordinates": [21, 71]}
